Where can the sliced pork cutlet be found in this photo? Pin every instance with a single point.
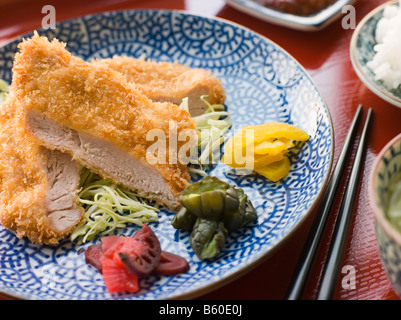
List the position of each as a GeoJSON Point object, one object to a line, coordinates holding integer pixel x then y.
{"type": "Point", "coordinates": [38, 186]}
{"type": "Point", "coordinates": [103, 121]}
{"type": "Point", "coordinates": [170, 82]}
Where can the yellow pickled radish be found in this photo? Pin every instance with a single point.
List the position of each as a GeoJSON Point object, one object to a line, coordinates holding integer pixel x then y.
{"type": "Point", "coordinates": [276, 170]}
{"type": "Point", "coordinates": [251, 162]}
{"type": "Point", "coordinates": [260, 161]}
{"type": "Point", "coordinates": [239, 142]}
{"type": "Point", "coordinates": [263, 148]}
{"type": "Point", "coordinates": [263, 132]}
{"type": "Point", "coordinates": [254, 135]}
{"type": "Point", "coordinates": [273, 147]}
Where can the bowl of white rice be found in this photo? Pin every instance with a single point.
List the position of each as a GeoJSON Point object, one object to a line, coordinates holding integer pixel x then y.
{"type": "Point", "coordinates": [375, 51]}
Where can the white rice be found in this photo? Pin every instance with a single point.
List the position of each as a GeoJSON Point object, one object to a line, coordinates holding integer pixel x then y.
{"type": "Point", "coordinates": [386, 63]}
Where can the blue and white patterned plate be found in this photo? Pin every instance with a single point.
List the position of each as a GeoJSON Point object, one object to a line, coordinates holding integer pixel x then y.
{"type": "Point", "coordinates": [263, 83]}
{"type": "Point", "coordinates": [362, 51]}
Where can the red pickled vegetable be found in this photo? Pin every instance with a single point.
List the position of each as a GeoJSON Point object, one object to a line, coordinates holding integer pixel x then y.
{"type": "Point", "coordinates": [94, 256]}
{"type": "Point", "coordinates": [110, 244]}
{"type": "Point", "coordinates": [117, 278]}
{"type": "Point", "coordinates": [122, 260]}
{"type": "Point", "coordinates": [171, 264]}
{"type": "Point", "coordinates": [141, 254]}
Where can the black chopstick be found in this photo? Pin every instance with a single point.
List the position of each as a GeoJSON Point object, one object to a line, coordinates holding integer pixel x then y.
{"type": "Point", "coordinates": [337, 246]}
{"type": "Point", "coordinates": [307, 257]}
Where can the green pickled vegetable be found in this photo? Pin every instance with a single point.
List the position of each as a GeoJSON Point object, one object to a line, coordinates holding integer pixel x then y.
{"type": "Point", "coordinates": [208, 238]}
{"type": "Point", "coordinates": [209, 198]}
{"type": "Point", "coordinates": [242, 215]}
{"type": "Point", "coordinates": [250, 213]}
{"type": "Point", "coordinates": [211, 209]}
{"type": "Point", "coordinates": [184, 220]}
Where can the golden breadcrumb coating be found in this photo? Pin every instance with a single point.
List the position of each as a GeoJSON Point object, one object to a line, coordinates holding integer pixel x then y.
{"type": "Point", "coordinates": [97, 101]}
{"type": "Point", "coordinates": [165, 81]}
{"type": "Point", "coordinates": [23, 180]}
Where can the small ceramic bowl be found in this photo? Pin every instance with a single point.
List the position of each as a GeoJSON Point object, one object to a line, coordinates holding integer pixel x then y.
{"type": "Point", "coordinates": [386, 166]}
{"type": "Point", "coordinates": [362, 51]}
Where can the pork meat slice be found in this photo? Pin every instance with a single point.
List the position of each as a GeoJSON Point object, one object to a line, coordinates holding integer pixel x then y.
{"type": "Point", "coordinates": [169, 82]}
{"type": "Point", "coordinates": [61, 205]}
{"type": "Point", "coordinates": [38, 187]}
{"type": "Point", "coordinates": [101, 156]}
{"type": "Point", "coordinates": [102, 120]}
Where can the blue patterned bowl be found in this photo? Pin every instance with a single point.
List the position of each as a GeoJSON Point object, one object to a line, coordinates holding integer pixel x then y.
{"type": "Point", "coordinates": [362, 51]}
{"type": "Point", "coordinates": [262, 82]}
{"type": "Point", "coordinates": [387, 165]}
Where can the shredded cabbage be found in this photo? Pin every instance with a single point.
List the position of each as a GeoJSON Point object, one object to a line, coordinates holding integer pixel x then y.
{"type": "Point", "coordinates": [3, 90]}
{"type": "Point", "coordinates": [109, 206]}
{"type": "Point", "coordinates": [212, 126]}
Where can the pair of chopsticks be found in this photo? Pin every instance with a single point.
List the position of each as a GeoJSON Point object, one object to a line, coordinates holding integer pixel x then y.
{"type": "Point", "coordinates": [336, 249]}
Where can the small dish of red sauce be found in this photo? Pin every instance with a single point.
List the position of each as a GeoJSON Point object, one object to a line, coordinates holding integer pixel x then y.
{"type": "Point", "coordinates": [297, 7]}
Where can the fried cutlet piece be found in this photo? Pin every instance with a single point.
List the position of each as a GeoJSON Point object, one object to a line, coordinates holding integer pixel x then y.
{"type": "Point", "coordinates": [103, 121]}
{"type": "Point", "coordinates": [38, 187]}
{"type": "Point", "coordinates": [169, 82]}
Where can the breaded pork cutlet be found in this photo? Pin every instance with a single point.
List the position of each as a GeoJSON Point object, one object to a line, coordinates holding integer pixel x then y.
{"type": "Point", "coordinates": [103, 121]}
{"type": "Point", "coordinates": [169, 82]}
{"type": "Point", "coordinates": [38, 187]}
